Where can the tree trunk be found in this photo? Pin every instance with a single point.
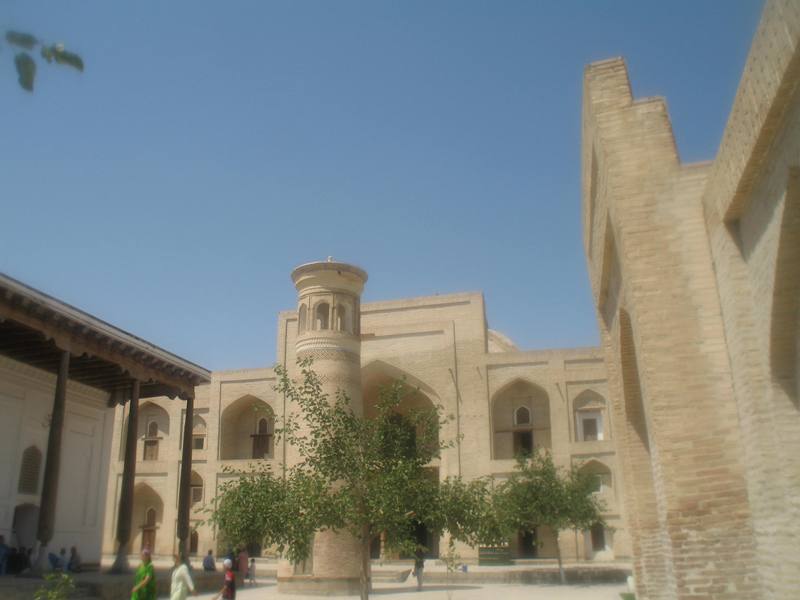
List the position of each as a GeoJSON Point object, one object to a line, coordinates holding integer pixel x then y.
{"type": "Point", "coordinates": [562, 575]}
{"type": "Point", "coordinates": [365, 554]}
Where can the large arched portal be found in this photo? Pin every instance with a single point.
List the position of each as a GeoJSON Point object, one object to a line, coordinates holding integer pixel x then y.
{"type": "Point", "coordinates": [416, 396]}
{"type": "Point", "coordinates": [248, 430]}
{"type": "Point", "coordinates": [521, 419]}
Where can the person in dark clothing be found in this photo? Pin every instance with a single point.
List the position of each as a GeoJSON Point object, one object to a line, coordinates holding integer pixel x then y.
{"type": "Point", "coordinates": [419, 566]}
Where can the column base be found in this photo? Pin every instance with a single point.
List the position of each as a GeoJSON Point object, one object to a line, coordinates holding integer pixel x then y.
{"type": "Point", "coordinates": [319, 586]}
{"type": "Point", "coordinates": [121, 565]}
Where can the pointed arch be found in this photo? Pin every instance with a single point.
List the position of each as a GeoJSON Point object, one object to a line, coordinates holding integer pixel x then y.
{"type": "Point", "coordinates": [378, 375]}
{"type": "Point", "coordinates": [590, 416]}
{"type": "Point", "coordinates": [148, 516]}
{"type": "Point", "coordinates": [601, 474]}
{"type": "Point", "coordinates": [196, 488]}
{"type": "Point", "coordinates": [241, 437]}
{"type": "Point", "coordinates": [512, 437]}
{"type": "Point", "coordinates": [322, 315]}
{"type": "Point", "coordinates": [29, 471]}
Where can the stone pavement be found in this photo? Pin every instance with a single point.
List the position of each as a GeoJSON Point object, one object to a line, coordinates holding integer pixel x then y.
{"type": "Point", "coordinates": [407, 591]}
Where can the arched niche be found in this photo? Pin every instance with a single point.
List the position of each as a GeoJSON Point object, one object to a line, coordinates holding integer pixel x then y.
{"type": "Point", "coordinates": [153, 428]}
{"type": "Point", "coordinates": [520, 398]}
{"type": "Point", "coordinates": [379, 375]}
{"type": "Point", "coordinates": [590, 413]}
{"type": "Point", "coordinates": [601, 475]}
{"type": "Point", "coordinates": [196, 489]}
{"type": "Point", "coordinates": [29, 471]}
{"type": "Point", "coordinates": [248, 427]}
{"type": "Point", "coordinates": [199, 432]}
{"type": "Point", "coordinates": [148, 516]}
{"type": "Point", "coordinates": [322, 316]}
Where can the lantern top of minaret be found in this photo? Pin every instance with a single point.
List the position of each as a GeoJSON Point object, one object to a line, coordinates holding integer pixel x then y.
{"type": "Point", "coordinates": [329, 273]}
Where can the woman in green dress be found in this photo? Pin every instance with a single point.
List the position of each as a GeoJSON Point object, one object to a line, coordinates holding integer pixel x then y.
{"type": "Point", "coordinates": [145, 583]}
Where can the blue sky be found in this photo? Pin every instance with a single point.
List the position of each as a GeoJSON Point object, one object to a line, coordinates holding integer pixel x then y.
{"type": "Point", "coordinates": [210, 147]}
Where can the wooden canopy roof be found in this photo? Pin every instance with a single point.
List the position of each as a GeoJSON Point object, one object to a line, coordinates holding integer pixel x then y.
{"type": "Point", "coordinates": [35, 328]}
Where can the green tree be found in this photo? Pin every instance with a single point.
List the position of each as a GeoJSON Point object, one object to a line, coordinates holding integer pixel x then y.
{"type": "Point", "coordinates": [365, 476]}
{"type": "Point", "coordinates": [539, 493]}
{"type": "Point", "coordinates": [57, 586]}
{"type": "Point", "coordinates": [26, 65]}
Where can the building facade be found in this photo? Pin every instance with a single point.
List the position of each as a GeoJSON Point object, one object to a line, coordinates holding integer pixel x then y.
{"type": "Point", "coordinates": [503, 400]}
{"type": "Point", "coordinates": [695, 271]}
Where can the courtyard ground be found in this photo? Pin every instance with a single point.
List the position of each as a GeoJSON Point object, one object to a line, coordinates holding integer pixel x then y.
{"type": "Point", "coordinates": [407, 591]}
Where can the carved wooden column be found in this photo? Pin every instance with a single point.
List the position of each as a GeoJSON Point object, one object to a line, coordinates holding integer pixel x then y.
{"type": "Point", "coordinates": [184, 492]}
{"type": "Point", "coordinates": [125, 511]}
{"type": "Point", "coordinates": [47, 507]}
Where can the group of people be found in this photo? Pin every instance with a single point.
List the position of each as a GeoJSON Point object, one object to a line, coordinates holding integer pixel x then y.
{"type": "Point", "coordinates": [14, 561]}
{"type": "Point", "coordinates": [60, 562]}
{"type": "Point", "coordinates": [182, 585]}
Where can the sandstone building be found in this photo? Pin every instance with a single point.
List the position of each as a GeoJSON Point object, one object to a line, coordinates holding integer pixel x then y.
{"type": "Point", "coordinates": [503, 400]}
{"type": "Point", "coordinates": [61, 373]}
{"type": "Point", "coordinates": [695, 271]}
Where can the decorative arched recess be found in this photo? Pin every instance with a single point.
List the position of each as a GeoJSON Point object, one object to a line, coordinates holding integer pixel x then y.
{"type": "Point", "coordinates": [378, 374]}
{"type": "Point", "coordinates": [29, 471]}
{"type": "Point", "coordinates": [199, 432]}
{"type": "Point", "coordinates": [153, 427]}
{"type": "Point", "coordinates": [196, 489]}
{"type": "Point", "coordinates": [602, 474]}
{"type": "Point", "coordinates": [148, 516]}
{"type": "Point", "coordinates": [784, 347]}
{"type": "Point", "coordinates": [510, 438]}
{"type": "Point", "coordinates": [590, 416]}
{"type": "Point", "coordinates": [240, 437]}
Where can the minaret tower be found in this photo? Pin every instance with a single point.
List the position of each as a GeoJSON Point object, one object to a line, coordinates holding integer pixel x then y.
{"type": "Point", "coordinates": [329, 332]}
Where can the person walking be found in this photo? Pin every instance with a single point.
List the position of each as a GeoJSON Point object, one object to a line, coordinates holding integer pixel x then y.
{"type": "Point", "coordinates": [144, 587]}
{"type": "Point", "coordinates": [251, 572]}
{"type": "Point", "coordinates": [182, 582]}
{"type": "Point", "coordinates": [228, 591]}
{"type": "Point", "coordinates": [419, 566]}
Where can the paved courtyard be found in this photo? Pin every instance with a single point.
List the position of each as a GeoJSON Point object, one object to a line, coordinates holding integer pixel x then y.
{"type": "Point", "coordinates": [407, 591]}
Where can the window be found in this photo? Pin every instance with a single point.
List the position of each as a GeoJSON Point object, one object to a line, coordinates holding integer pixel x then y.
{"type": "Point", "coordinates": [590, 425]}
{"type": "Point", "coordinates": [343, 321]}
{"type": "Point", "coordinates": [149, 530]}
{"type": "Point", "coordinates": [150, 450]}
{"type": "Point", "coordinates": [198, 432]}
{"type": "Point", "coordinates": [322, 315]}
{"type": "Point", "coordinates": [197, 494]}
{"type": "Point", "coordinates": [29, 471]}
{"type": "Point", "coordinates": [598, 534]}
{"type": "Point", "coordinates": [262, 439]}
{"type": "Point", "coordinates": [193, 542]}
{"type": "Point", "coordinates": [151, 442]}
{"type": "Point", "coordinates": [302, 318]}
{"type": "Point", "coordinates": [523, 442]}
{"type": "Point", "coordinates": [522, 416]}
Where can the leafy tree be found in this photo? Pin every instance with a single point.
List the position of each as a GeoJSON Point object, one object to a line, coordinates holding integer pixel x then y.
{"type": "Point", "coordinates": [57, 586]}
{"type": "Point", "coordinates": [26, 65]}
{"type": "Point", "coordinates": [365, 476]}
{"type": "Point", "coordinates": [539, 493]}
